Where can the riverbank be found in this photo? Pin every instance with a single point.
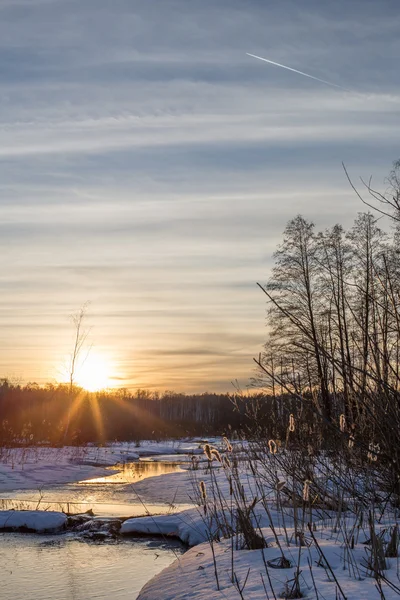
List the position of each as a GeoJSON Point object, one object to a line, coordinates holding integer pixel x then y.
{"type": "Point", "coordinates": [327, 567]}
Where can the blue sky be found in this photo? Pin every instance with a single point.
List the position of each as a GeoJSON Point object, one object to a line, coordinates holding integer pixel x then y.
{"type": "Point", "coordinates": [149, 166]}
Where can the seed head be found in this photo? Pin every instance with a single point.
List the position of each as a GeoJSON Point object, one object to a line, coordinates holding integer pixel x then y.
{"type": "Point", "coordinates": [291, 423]}
{"type": "Point", "coordinates": [216, 454]}
{"type": "Point", "coordinates": [272, 446]}
{"type": "Point", "coordinates": [227, 444]}
{"type": "Point", "coordinates": [342, 423]}
{"type": "Point", "coordinates": [226, 462]}
{"type": "Point", "coordinates": [207, 451]}
{"type": "Point", "coordinates": [203, 490]}
{"type": "Point", "coordinates": [306, 490]}
{"type": "Point", "coordinates": [374, 449]}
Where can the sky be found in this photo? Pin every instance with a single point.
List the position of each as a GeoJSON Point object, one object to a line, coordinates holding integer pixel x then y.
{"type": "Point", "coordinates": [148, 167]}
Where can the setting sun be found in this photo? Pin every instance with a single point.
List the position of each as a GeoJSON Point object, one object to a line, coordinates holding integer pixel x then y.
{"type": "Point", "coordinates": [94, 373]}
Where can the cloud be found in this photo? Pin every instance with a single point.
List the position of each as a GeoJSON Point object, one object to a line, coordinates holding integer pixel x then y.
{"type": "Point", "coordinates": [147, 165]}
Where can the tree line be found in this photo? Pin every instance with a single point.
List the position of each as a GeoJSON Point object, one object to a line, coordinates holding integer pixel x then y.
{"type": "Point", "coordinates": [33, 414]}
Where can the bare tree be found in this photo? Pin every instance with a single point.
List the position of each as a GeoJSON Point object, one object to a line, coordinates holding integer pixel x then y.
{"type": "Point", "coordinates": [386, 203]}
{"type": "Point", "coordinates": [78, 356]}
{"type": "Point", "coordinates": [80, 337]}
{"type": "Point", "coordinates": [295, 309]}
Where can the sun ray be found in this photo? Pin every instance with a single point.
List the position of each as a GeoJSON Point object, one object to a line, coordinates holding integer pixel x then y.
{"type": "Point", "coordinates": [138, 412]}
{"type": "Point", "coordinates": [97, 417]}
{"type": "Point", "coordinates": [73, 408]}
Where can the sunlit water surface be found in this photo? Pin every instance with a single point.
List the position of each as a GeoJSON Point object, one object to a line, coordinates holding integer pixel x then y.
{"type": "Point", "coordinates": [113, 495]}
{"type": "Point", "coordinates": [62, 567]}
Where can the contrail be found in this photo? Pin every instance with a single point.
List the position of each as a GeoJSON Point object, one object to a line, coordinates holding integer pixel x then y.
{"type": "Point", "coordinates": [271, 62]}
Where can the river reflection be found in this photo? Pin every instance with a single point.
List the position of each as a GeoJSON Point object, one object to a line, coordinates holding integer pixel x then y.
{"type": "Point", "coordinates": [113, 495]}
{"type": "Point", "coordinates": [135, 471]}
{"type": "Point", "coordinates": [64, 568]}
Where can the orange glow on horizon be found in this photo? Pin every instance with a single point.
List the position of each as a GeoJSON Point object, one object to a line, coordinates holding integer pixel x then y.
{"type": "Point", "coordinates": [93, 373]}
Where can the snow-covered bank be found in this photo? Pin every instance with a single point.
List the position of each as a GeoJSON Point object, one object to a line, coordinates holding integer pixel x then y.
{"type": "Point", "coordinates": [35, 468]}
{"type": "Point", "coordinates": [187, 525]}
{"type": "Point", "coordinates": [192, 576]}
{"type": "Point", "coordinates": [35, 521]}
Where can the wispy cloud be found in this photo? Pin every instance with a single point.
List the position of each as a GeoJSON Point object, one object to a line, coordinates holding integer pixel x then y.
{"type": "Point", "coordinates": [148, 165]}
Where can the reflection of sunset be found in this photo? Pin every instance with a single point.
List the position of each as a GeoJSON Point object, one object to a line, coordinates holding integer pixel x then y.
{"type": "Point", "coordinates": [136, 471]}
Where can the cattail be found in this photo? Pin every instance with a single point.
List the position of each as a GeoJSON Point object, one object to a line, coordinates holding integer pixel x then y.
{"type": "Point", "coordinates": [342, 423]}
{"type": "Point", "coordinates": [207, 451]}
{"type": "Point", "coordinates": [195, 461]}
{"type": "Point", "coordinates": [272, 447]}
{"type": "Point", "coordinates": [306, 490]}
{"type": "Point", "coordinates": [291, 422]}
{"type": "Point", "coordinates": [227, 444]}
{"type": "Point", "coordinates": [214, 452]}
{"type": "Point", "coordinates": [226, 462]}
{"type": "Point", "coordinates": [203, 490]}
{"type": "Point", "coordinates": [373, 451]}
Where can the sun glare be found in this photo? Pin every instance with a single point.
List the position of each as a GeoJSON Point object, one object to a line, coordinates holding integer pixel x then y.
{"type": "Point", "coordinates": [94, 374]}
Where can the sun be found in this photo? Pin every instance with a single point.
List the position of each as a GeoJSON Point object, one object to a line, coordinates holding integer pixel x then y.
{"type": "Point", "coordinates": [94, 373]}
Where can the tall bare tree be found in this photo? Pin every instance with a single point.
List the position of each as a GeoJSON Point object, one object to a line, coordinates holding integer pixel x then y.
{"type": "Point", "coordinates": [78, 355]}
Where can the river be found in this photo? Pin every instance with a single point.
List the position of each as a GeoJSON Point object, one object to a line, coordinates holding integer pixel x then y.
{"type": "Point", "coordinates": [67, 566]}
{"type": "Point", "coordinates": [63, 567]}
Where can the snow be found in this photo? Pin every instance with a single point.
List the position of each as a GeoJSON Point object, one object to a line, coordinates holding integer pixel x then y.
{"type": "Point", "coordinates": [32, 520]}
{"type": "Point", "coordinates": [188, 526]}
{"type": "Point", "coordinates": [192, 575]}
{"type": "Point", "coordinates": [35, 468]}
{"type": "Point", "coordinates": [38, 467]}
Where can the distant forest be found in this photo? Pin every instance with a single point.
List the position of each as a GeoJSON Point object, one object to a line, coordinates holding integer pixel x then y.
{"type": "Point", "coordinates": [53, 414]}
{"type": "Point", "coordinates": [33, 414]}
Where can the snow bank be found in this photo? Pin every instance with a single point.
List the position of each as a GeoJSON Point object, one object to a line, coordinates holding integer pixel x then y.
{"type": "Point", "coordinates": [34, 468]}
{"type": "Point", "coordinates": [192, 576]}
{"type": "Point", "coordinates": [32, 520]}
{"type": "Point", "coordinates": [188, 526]}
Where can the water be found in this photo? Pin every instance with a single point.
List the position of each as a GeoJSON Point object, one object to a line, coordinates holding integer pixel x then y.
{"type": "Point", "coordinates": [67, 567]}
{"type": "Point", "coordinates": [113, 495]}
{"type": "Point", "coordinates": [62, 567]}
